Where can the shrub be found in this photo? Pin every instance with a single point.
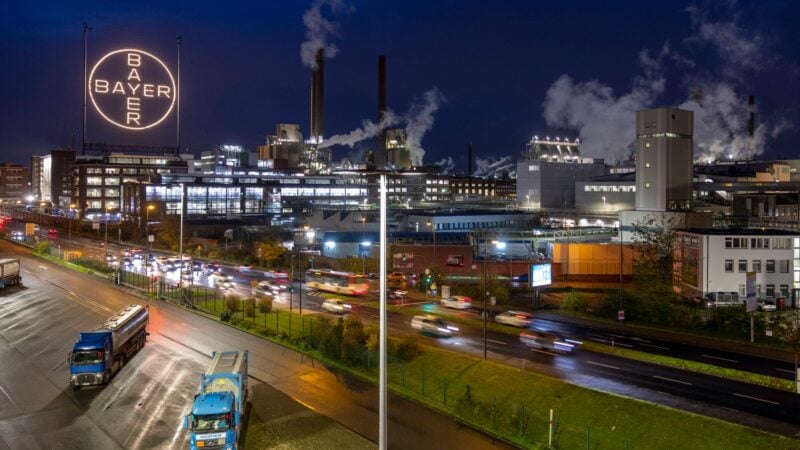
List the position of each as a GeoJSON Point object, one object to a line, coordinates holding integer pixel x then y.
{"type": "Point", "coordinates": [225, 315]}
{"type": "Point", "coordinates": [232, 303]}
{"type": "Point", "coordinates": [265, 305]}
{"type": "Point", "coordinates": [574, 301]}
{"type": "Point", "coordinates": [353, 341]}
{"type": "Point", "coordinates": [331, 343]}
{"type": "Point", "coordinates": [41, 248]}
{"type": "Point", "coordinates": [93, 264]}
{"type": "Point", "coordinates": [405, 348]}
{"type": "Point", "coordinates": [250, 307]}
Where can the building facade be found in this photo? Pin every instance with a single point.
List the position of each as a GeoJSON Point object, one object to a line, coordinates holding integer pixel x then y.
{"type": "Point", "coordinates": [664, 159]}
{"type": "Point", "coordinates": [14, 184]}
{"type": "Point", "coordinates": [717, 260]}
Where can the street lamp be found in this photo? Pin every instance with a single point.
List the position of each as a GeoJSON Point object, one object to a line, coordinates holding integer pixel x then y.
{"type": "Point", "coordinates": [433, 229]}
{"type": "Point", "coordinates": [604, 203]}
{"type": "Point", "coordinates": [69, 226]}
{"type": "Point", "coordinates": [528, 200]}
{"type": "Point", "coordinates": [105, 240]}
{"type": "Point", "coordinates": [365, 247]}
{"type": "Point", "coordinates": [147, 232]}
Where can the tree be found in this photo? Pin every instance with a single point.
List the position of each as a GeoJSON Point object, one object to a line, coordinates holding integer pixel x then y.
{"type": "Point", "coordinates": [653, 264]}
{"type": "Point", "coordinates": [790, 333]}
{"type": "Point", "coordinates": [168, 234]}
{"type": "Point", "coordinates": [270, 250]}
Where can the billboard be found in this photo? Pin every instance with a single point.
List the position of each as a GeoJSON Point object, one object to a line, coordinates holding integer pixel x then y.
{"type": "Point", "coordinates": [132, 89]}
{"type": "Point", "coordinates": [455, 260]}
{"type": "Point", "coordinates": [403, 260]}
{"type": "Point", "coordinates": [541, 274]}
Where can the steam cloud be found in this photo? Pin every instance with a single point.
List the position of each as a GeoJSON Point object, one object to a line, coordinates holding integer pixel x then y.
{"type": "Point", "coordinates": [368, 130]}
{"type": "Point", "coordinates": [605, 120]}
{"type": "Point", "coordinates": [446, 165]}
{"type": "Point", "coordinates": [420, 121]}
{"type": "Point", "coordinates": [319, 30]}
{"type": "Point", "coordinates": [491, 166]}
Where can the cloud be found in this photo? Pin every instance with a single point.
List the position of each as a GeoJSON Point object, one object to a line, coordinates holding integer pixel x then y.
{"type": "Point", "coordinates": [319, 30]}
{"type": "Point", "coordinates": [419, 120]}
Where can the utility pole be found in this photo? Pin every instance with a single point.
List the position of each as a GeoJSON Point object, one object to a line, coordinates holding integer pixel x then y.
{"type": "Point", "coordinates": [86, 30]}
{"type": "Point", "coordinates": [382, 438]}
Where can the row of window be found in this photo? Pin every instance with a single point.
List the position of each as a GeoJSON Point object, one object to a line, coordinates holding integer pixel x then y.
{"type": "Point", "coordinates": [770, 292]}
{"type": "Point", "coordinates": [758, 243]}
{"type": "Point", "coordinates": [609, 188]}
{"type": "Point", "coordinates": [783, 265]}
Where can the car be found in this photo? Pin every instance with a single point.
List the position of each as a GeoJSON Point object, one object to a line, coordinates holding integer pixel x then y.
{"type": "Point", "coordinates": [457, 302]}
{"type": "Point", "coordinates": [212, 268]}
{"type": "Point", "coordinates": [52, 232]}
{"type": "Point", "coordinates": [245, 268]}
{"type": "Point", "coordinates": [396, 276]}
{"type": "Point", "coordinates": [277, 274]}
{"type": "Point", "coordinates": [766, 305]}
{"type": "Point", "coordinates": [18, 235]}
{"type": "Point", "coordinates": [197, 266]}
{"type": "Point", "coordinates": [220, 280]}
{"type": "Point", "coordinates": [544, 340]}
{"type": "Point", "coordinates": [397, 294]}
{"type": "Point", "coordinates": [336, 306]}
{"type": "Point", "coordinates": [432, 325]}
{"type": "Point", "coordinates": [278, 291]}
{"type": "Point", "coordinates": [514, 318]}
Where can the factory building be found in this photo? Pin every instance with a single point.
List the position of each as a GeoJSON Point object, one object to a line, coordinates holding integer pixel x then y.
{"type": "Point", "coordinates": [548, 171]}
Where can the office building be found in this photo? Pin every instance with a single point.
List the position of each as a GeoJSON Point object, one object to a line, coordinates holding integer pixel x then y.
{"type": "Point", "coordinates": [14, 184]}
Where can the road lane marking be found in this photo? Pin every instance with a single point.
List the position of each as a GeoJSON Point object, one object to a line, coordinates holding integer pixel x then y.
{"type": "Point", "coordinates": [544, 351]}
{"type": "Point", "coordinates": [756, 399]}
{"type": "Point", "coordinates": [656, 346]}
{"type": "Point", "coordinates": [496, 341]}
{"type": "Point", "coordinates": [673, 380]}
{"type": "Point", "coordinates": [606, 341]}
{"type": "Point", "coordinates": [602, 365]}
{"type": "Point", "coordinates": [719, 358]}
{"type": "Point", "coordinates": [784, 370]}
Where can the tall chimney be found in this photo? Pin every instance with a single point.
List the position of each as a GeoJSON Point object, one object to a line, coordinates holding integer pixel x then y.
{"type": "Point", "coordinates": [470, 170]}
{"type": "Point", "coordinates": [317, 97]}
{"type": "Point", "coordinates": [381, 157]}
{"type": "Point", "coordinates": [751, 122]}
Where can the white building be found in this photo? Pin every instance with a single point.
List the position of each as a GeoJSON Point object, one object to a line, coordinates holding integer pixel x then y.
{"type": "Point", "coordinates": [717, 260]}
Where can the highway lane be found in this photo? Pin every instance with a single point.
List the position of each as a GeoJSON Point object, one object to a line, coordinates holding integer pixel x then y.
{"type": "Point", "coordinates": [143, 406]}
{"type": "Point", "coordinates": [605, 372]}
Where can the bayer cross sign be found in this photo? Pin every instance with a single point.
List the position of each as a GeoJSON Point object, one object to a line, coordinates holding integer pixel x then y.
{"type": "Point", "coordinates": [132, 89]}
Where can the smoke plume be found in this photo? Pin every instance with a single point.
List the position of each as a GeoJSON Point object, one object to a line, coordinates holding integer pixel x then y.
{"type": "Point", "coordinates": [446, 165]}
{"type": "Point", "coordinates": [319, 30]}
{"type": "Point", "coordinates": [368, 130]}
{"type": "Point", "coordinates": [419, 120]}
{"type": "Point", "coordinates": [605, 121]}
{"type": "Point", "coordinates": [491, 167]}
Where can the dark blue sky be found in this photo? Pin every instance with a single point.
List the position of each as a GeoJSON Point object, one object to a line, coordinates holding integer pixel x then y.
{"type": "Point", "coordinates": [493, 62]}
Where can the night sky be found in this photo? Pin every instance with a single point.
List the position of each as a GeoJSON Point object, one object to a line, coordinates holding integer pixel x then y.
{"type": "Point", "coordinates": [504, 70]}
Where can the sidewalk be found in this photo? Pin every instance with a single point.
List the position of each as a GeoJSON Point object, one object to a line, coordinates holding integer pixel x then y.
{"type": "Point", "coordinates": [676, 336]}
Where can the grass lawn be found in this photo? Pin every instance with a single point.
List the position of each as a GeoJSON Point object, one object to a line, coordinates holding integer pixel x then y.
{"type": "Point", "coordinates": [694, 366]}
{"type": "Point", "coordinates": [522, 401]}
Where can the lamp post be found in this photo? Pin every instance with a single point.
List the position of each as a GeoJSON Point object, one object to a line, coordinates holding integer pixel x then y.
{"type": "Point", "coordinates": [69, 227]}
{"type": "Point", "coordinates": [291, 283]}
{"type": "Point", "coordinates": [604, 203]}
{"type": "Point", "coordinates": [105, 240]}
{"type": "Point", "coordinates": [485, 297]}
{"type": "Point", "coordinates": [433, 229]}
{"type": "Point", "coordinates": [528, 200]}
{"type": "Point", "coordinates": [147, 232]}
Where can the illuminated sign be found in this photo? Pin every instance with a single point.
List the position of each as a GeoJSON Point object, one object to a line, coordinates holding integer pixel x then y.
{"type": "Point", "coordinates": [541, 274]}
{"type": "Point", "coordinates": [132, 89]}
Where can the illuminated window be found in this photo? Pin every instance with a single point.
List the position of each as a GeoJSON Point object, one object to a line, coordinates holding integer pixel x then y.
{"type": "Point", "coordinates": [647, 165]}
{"type": "Point", "coordinates": [646, 145]}
{"type": "Point", "coordinates": [647, 185]}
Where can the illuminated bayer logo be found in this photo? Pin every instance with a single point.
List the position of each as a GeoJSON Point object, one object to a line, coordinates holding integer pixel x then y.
{"type": "Point", "coordinates": [132, 89]}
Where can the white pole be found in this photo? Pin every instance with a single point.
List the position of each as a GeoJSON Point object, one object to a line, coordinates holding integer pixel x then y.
{"type": "Point", "coordinates": [382, 441]}
{"type": "Point", "coordinates": [180, 243]}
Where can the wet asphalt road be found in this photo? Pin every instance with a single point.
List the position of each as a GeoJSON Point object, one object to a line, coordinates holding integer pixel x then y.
{"type": "Point", "coordinates": [144, 403]}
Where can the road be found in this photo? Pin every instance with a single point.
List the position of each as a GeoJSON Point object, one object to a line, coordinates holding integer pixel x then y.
{"type": "Point", "coordinates": [743, 403]}
{"type": "Point", "coordinates": [144, 404]}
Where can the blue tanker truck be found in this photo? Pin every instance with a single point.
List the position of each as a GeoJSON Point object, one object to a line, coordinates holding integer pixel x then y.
{"type": "Point", "coordinates": [220, 408]}
{"type": "Point", "coordinates": [99, 354]}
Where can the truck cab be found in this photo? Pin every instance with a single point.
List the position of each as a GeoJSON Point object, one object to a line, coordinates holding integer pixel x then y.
{"type": "Point", "coordinates": [88, 362]}
{"type": "Point", "coordinates": [214, 421]}
{"type": "Point", "coordinates": [220, 407]}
